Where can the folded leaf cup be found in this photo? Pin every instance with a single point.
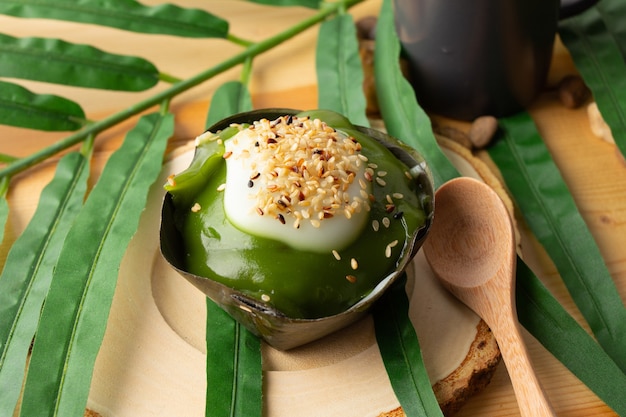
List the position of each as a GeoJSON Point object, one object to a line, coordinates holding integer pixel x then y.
{"type": "Point", "coordinates": [295, 223]}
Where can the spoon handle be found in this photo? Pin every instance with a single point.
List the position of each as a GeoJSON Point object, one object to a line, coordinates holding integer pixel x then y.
{"type": "Point", "coordinates": [531, 398]}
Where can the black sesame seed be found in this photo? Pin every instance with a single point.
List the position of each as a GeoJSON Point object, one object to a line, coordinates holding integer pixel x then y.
{"type": "Point", "coordinates": [250, 184]}
{"type": "Point", "coordinates": [289, 120]}
{"type": "Point", "coordinates": [398, 215]}
{"type": "Point", "coordinates": [281, 218]}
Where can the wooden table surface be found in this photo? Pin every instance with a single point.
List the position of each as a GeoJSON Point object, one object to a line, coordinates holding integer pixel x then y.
{"type": "Point", "coordinates": [285, 77]}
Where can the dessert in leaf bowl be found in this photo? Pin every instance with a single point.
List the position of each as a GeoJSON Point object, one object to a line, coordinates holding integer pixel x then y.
{"type": "Point", "coordinates": [295, 223]}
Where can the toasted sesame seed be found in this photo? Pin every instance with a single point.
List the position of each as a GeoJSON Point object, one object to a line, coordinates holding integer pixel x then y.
{"type": "Point", "coordinates": [221, 187]}
{"type": "Point", "coordinates": [336, 255]}
{"type": "Point", "coordinates": [351, 279]}
{"type": "Point", "coordinates": [388, 251]}
{"type": "Point", "coordinates": [381, 173]}
{"type": "Point", "coordinates": [265, 297]}
{"type": "Point", "coordinates": [386, 222]}
{"type": "Point", "coordinates": [389, 199]}
{"type": "Point", "coordinates": [227, 155]}
{"type": "Point", "coordinates": [375, 225]}
{"type": "Point", "coordinates": [196, 208]}
{"type": "Point", "coordinates": [398, 196]}
{"type": "Point", "coordinates": [354, 264]}
{"type": "Point", "coordinates": [381, 181]}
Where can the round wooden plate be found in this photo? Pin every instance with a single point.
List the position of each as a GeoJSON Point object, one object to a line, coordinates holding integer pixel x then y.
{"type": "Point", "coordinates": [153, 356]}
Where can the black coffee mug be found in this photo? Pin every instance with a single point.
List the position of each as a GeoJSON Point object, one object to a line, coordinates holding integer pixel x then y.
{"type": "Point", "coordinates": [469, 58]}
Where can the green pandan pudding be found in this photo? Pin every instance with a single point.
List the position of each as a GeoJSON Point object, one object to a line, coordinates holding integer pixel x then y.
{"type": "Point", "coordinates": [303, 213]}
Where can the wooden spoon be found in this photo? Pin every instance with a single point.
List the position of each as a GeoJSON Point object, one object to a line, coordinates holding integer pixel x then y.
{"type": "Point", "coordinates": [470, 249]}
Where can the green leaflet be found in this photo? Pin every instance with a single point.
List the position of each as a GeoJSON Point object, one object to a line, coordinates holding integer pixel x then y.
{"type": "Point", "coordinates": [4, 206]}
{"type": "Point", "coordinates": [234, 373]}
{"type": "Point", "coordinates": [4, 214]}
{"type": "Point", "coordinates": [128, 15]}
{"type": "Point", "coordinates": [339, 70]}
{"type": "Point", "coordinates": [57, 61]}
{"type": "Point", "coordinates": [539, 190]}
{"type": "Point", "coordinates": [7, 159]}
{"type": "Point", "coordinates": [403, 116]}
{"type": "Point", "coordinates": [23, 108]}
{"type": "Point", "coordinates": [234, 367]}
{"type": "Point", "coordinates": [230, 98]}
{"type": "Point", "coordinates": [404, 119]}
{"type": "Point", "coordinates": [312, 4]}
{"type": "Point", "coordinates": [556, 330]}
{"type": "Point", "coordinates": [401, 354]}
{"type": "Point", "coordinates": [596, 40]}
{"type": "Point", "coordinates": [28, 270]}
{"type": "Point", "coordinates": [75, 313]}
{"type": "Point", "coordinates": [613, 12]}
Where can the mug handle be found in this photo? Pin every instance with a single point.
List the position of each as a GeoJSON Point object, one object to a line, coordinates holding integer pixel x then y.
{"type": "Point", "coordinates": [573, 7]}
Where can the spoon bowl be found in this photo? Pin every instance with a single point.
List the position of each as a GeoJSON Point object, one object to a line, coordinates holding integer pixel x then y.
{"type": "Point", "coordinates": [471, 251]}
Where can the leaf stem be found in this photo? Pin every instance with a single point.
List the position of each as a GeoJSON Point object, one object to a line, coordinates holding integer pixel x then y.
{"type": "Point", "coordinates": [168, 78]}
{"type": "Point", "coordinates": [4, 187]}
{"type": "Point", "coordinates": [174, 90]}
{"type": "Point", "coordinates": [246, 72]}
{"type": "Point", "coordinates": [239, 41]}
{"type": "Point", "coordinates": [165, 106]}
{"type": "Point", "coordinates": [87, 147]}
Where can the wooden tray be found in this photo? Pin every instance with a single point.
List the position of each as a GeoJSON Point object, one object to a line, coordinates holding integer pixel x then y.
{"type": "Point", "coordinates": [153, 356]}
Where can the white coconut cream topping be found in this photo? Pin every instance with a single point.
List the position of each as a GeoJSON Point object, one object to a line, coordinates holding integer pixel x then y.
{"type": "Point", "coordinates": [299, 181]}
